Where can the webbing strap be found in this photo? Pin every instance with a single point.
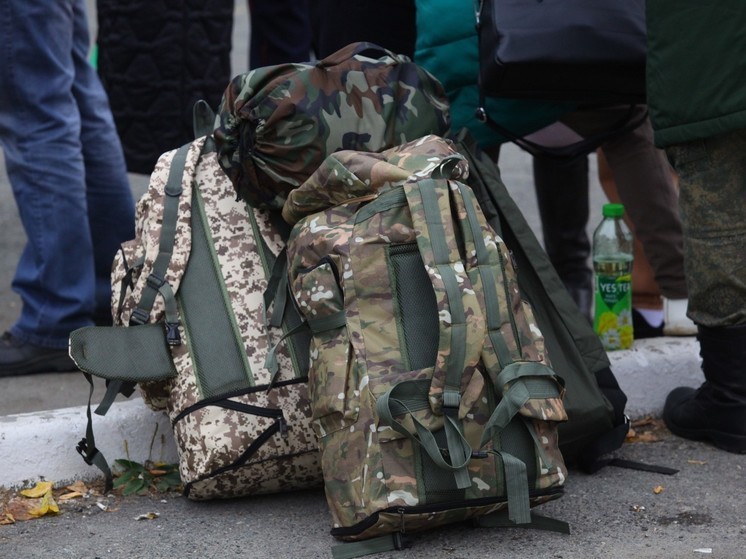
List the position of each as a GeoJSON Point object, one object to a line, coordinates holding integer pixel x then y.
{"type": "Point", "coordinates": [156, 279]}
{"type": "Point", "coordinates": [350, 550]}
{"type": "Point", "coordinates": [485, 268]}
{"type": "Point", "coordinates": [404, 398]}
{"type": "Point", "coordinates": [500, 519]}
{"type": "Point", "coordinates": [87, 446]}
{"type": "Point", "coordinates": [435, 232]}
{"type": "Point", "coordinates": [270, 362]}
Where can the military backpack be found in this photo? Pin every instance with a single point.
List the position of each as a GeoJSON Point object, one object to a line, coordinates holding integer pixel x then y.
{"type": "Point", "coordinates": [431, 394]}
{"type": "Point", "coordinates": [194, 321]}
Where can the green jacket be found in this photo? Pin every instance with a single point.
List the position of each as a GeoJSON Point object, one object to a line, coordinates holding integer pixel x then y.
{"type": "Point", "coordinates": [447, 47]}
{"type": "Point", "coordinates": [696, 68]}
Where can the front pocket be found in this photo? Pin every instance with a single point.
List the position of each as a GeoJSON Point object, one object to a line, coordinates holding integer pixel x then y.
{"type": "Point", "coordinates": [332, 371]}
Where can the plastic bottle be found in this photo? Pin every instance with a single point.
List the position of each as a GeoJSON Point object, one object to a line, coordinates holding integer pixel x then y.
{"type": "Point", "coordinates": [612, 266]}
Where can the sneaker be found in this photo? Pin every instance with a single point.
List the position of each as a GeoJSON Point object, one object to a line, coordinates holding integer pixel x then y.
{"type": "Point", "coordinates": [23, 358]}
{"type": "Point", "coordinates": [675, 321]}
{"type": "Point", "coordinates": [642, 328]}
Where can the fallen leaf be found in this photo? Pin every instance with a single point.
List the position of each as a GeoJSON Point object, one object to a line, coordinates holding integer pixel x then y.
{"type": "Point", "coordinates": [697, 462]}
{"type": "Point", "coordinates": [648, 437]}
{"type": "Point", "coordinates": [71, 495]}
{"type": "Point", "coordinates": [38, 490]}
{"type": "Point", "coordinates": [658, 489]}
{"type": "Point", "coordinates": [6, 519]}
{"type": "Point", "coordinates": [78, 487]}
{"type": "Point", "coordinates": [148, 516]}
{"type": "Point", "coordinates": [47, 505]}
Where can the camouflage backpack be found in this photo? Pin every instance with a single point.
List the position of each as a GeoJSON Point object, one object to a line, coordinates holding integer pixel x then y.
{"type": "Point", "coordinates": [191, 329]}
{"type": "Point", "coordinates": [431, 395]}
{"type": "Point", "coordinates": [278, 123]}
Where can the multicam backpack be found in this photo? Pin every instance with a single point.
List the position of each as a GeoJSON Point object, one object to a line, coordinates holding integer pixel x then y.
{"type": "Point", "coordinates": [278, 123]}
{"type": "Point", "coordinates": [432, 398]}
{"type": "Point", "coordinates": [192, 331]}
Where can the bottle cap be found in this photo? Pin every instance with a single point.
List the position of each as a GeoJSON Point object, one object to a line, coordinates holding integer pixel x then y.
{"type": "Point", "coordinates": [613, 210]}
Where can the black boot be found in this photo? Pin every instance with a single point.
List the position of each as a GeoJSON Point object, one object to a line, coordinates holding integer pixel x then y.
{"type": "Point", "coordinates": [716, 411]}
{"type": "Point", "coordinates": [562, 197]}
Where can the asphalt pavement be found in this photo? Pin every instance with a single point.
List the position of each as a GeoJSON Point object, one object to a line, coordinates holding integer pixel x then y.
{"type": "Point", "coordinates": [615, 513]}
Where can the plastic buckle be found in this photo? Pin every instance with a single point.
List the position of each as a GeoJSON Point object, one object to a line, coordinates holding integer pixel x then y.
{"type": "Point", "coordinates": [451, 402]}
{"type": "Point", "coordinates": [82, 448]}
{"type": "Point", "coordinates": [172, 333]}
{"type": "Point", "coordinates": [139, 316]}
{"type": "Point", "coordinates": [155, 281]}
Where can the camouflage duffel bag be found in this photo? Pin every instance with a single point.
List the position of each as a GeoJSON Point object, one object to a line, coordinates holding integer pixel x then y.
{"type": "Point", "coordinates": [278, 123]}
{"type": "Point", "coordinates": [432, 396]}
{"type": "Point", "coordinates": [191, 329]}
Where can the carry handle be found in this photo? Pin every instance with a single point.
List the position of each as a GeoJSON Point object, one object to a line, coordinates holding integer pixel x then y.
{"type": "Point", "coordinates": [354, 49]}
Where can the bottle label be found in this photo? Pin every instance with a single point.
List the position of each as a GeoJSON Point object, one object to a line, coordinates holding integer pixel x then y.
{"type": "Point", "coordinates": [613, 311]}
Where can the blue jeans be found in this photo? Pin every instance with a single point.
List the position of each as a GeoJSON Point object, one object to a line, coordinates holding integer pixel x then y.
{"type": "Point", "coordinates": [65, 164]}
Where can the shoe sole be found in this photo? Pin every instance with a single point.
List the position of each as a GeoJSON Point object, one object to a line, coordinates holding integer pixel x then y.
{"type": "Point", "coordinates": [40, 365]}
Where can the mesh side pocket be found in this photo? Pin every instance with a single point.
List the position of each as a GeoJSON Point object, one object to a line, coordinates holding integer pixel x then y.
{"type": "Point", "coordinates": [416, 305]}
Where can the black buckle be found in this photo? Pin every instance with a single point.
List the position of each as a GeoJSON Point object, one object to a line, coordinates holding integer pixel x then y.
{"type": "Point", "coordinates": [172, 333]}
{"type": "Point", "coordinates": [82, 448]}
{"type": "Point", "coordinates": [139, 316]}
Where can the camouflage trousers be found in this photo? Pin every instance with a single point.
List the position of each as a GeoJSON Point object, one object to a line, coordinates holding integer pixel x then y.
{"type": "Point", "coordinates": [712, 202]}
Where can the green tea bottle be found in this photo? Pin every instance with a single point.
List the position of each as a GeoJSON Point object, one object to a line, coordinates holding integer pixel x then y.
{"type": "Point", "coordinates": [612, 266]}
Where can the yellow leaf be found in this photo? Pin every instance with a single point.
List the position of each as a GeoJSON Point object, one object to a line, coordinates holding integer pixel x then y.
{"type": "Point", "coordinates": [39, 490]}
{"type": "Point", "coordinates": [658, 490]}
{"type": "Point", "coordinates": [71, 495]}
{"type": "Point", "coordinates": [78, 487]}
{"type": "Point", "coordinates": [47, 505]}
{"type": "Point", "coordinates": [6, 519]}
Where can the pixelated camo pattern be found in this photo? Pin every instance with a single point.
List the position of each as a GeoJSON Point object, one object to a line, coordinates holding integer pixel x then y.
{"type": "Point", "coordinates": [338, 262]}
{"type": "Point", "coordinates": [277, 124]}
{"type": "Point", "coordinates": [212, 438]}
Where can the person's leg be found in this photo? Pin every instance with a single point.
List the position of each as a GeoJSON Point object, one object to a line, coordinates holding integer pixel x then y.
{"type": "Point", "coordinates": [337, 23]}
{"type": "Point", "coordinates": [41, 135]}
{"type": "Point", "coordinates": [111, 209]}
{"type": "Point", "coordinates": [562, 197]}
{"type": "Point", "coordinates": [647, 304]}
{"type": "Point", "coordinates": [647, 189]}
{"type": "Point", "coordinates": [712, 178]}
{"type": "Point", "coordinates": [280, 32]}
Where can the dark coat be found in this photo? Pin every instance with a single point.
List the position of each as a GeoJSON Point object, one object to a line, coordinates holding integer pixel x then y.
{"type": "Point", "coordinates": [156, 58]}
{"type": "Point", "coordinates": [696, 68]}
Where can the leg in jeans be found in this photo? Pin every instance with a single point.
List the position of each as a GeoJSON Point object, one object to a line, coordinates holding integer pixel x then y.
{"type": "Point", "coordinates": [63, 158]}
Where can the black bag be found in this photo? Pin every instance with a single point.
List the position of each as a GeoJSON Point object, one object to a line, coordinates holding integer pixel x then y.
{"type": "Point", "coordinates": [594, 401]}
{"type": "Point", "coordinates": [591, 52]}
{"type": "Point", "coordinates": [586, 51]}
